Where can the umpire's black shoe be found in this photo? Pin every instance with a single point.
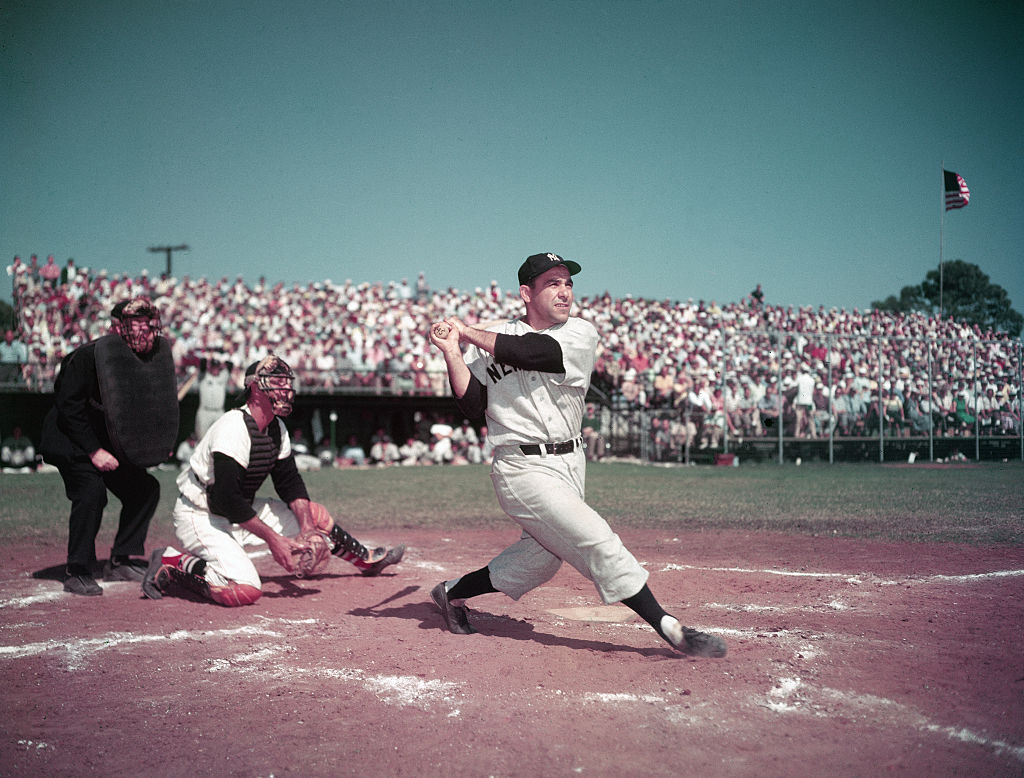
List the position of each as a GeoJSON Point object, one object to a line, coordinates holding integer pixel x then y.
{"type": "Point", "coordinates": [81, 583]}
{"type": "Point", "coordinates": [455, 616]}
{"type": "Point", "coordinates": [393, 557]}
{"type": "Point", "coordinates": [124, 570]}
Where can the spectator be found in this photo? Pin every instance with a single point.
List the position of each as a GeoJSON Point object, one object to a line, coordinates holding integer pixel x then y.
{"type": "Point", "coordinates": [699, 410]}
{"type": "Point", "coordinates": [414, 452]}
{"type": "Point", "coordinates": [383, 450]}
{"type": "Point", "coordinates": [715, 423]}
{"type": "Point", "coordinates": [920, 419]}
{"type": "Point", "coordinates": [842, 406]}
{"type": "Point", "coordinates": [50, 272]}
{"type": "Point", "coordinates": [69, 273]}
{"type": "Point", "coordinates": [305, 459]}
{"type": "Point", "coordinates": [184, 451]}
{"type": "Point", "coordinates": [824, 421]}
{"type": "Point", "coordinates": [769, 409]}
{"type": "Point", "coordinates": [592, 438]}
{"type": "Point", "coordinates": [17, 454]}
{"type": "Point", "coordinates": [325, 452]}
{"type": "Point", "coordinates": [441, 449]}
{"type": "Point", "coordinates": [13, 358]}
{"type": "Point", "coordinates": [664, 383]}
{"type": "Point", "coordinates": [803, 404]}
{"type": "Point", "coordinates": [629, 389]}
{"type": "Point", "coordinates": [757, 298]}
{"type": "Point", "coordinates": [895, 418]}
{"type": "Point", "coordinates": [661, 439]}
{"type": "Point", "coordinates": [352, 453]}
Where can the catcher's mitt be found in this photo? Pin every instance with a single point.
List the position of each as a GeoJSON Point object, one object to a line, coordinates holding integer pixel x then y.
{"type": "Point", "coordinates": [314, 559]}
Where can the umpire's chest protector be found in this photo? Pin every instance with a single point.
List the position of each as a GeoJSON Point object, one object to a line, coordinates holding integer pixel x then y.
{"type": "Point", "coordinates": [140, 400]}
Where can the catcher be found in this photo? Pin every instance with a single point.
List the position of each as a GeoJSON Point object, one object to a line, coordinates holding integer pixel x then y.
{"type": "Point", "coordinates": [217, 511]}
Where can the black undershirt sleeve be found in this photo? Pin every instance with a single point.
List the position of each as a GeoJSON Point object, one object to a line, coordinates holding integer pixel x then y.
{"type": "Point", "coordinates": [225, 493]}
{"type": "Point", "coordinates": [532, 351]}
{"type": "Point", "coordinates": [287, 481]}
{"type": "Point", "coordinates": [474, 401]}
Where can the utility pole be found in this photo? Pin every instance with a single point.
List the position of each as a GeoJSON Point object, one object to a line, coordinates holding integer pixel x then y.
{"type": "Point", "coordinates": [168, 250]}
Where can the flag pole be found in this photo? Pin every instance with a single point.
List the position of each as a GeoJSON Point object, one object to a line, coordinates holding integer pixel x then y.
{"type": "Point", "coordinates": [942, 222]}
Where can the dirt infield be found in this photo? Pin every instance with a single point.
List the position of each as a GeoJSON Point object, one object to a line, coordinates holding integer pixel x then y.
{"type": "Point", "coordinates": [845, 658]}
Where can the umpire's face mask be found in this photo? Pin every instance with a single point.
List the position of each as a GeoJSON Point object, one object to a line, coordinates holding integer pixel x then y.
{"type": "Point", "coordinates": [140, 334]}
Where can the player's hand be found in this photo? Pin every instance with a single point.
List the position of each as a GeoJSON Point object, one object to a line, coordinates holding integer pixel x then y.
{"type": "Point", "coordinates": [103, 460]}
{"type": "Point", "coordinates": [283, 549]}
{"type": "Point", "coordinates": [447, 341]}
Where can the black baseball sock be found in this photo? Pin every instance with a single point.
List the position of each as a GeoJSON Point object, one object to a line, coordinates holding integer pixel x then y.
{"type": "Point", "coordinates": [472, 584]}
{"type": "Point", "coordinates": [647, 608]}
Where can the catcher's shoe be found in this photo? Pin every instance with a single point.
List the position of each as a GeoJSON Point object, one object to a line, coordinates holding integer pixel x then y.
{"type": "Point", "coordinates": [694, 643]}
{"type": "Point", "coordinates": [128, 570]}
{"type": "Point", "coordinates": [157, 577]}
{"type": "Point", "coordinates": [455, 616]}
{"type": "Point", "coordinates": [392, 557]}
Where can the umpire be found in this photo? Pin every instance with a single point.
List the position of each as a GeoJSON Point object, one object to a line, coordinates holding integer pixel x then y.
{"type": "Point", "coordinates": [115, 414]}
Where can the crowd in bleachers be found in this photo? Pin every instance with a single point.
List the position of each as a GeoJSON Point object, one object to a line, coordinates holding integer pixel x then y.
{"type": "Point", "coordinates": [739, 369]}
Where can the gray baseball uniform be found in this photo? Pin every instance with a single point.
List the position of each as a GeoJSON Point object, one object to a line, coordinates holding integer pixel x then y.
{"type": "Point", "coordinates": [540, 488]}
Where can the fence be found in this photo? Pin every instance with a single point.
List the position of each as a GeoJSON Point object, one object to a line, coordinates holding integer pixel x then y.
{"type": "Point", "coordinates": [836, 397]}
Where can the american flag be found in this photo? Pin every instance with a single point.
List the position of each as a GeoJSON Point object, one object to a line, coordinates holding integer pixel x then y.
{"type": "Point", "coordinates": [957, 193]}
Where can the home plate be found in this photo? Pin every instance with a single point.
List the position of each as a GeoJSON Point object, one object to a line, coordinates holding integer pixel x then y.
{"type": "Point", "coordinates": [606, 613]}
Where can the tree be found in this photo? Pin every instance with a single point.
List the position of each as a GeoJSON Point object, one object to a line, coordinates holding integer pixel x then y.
{"type": "Point", "coordinates": [967, 295]}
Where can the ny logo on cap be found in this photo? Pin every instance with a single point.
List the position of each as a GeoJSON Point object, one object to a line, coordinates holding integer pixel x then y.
{"type": "Point", "coordinates": [554, 257]}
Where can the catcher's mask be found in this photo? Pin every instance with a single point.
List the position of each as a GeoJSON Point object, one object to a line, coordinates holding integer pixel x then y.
{"type": "Point", "coordinates": [272, 376]}
{"type": "Point", "coordinates": [138, 322]}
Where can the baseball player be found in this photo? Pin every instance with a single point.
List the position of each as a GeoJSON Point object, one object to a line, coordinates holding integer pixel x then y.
{"type": "Point", "coordinates": [217, 511]}
{"type": "Point", "coordinates": [213, 388]}
{"type": "Point", "coordinates": [530, 377]}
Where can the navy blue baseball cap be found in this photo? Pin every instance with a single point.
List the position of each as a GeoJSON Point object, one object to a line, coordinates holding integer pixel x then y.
{"type": "Point", "coordinates": [541, 263]}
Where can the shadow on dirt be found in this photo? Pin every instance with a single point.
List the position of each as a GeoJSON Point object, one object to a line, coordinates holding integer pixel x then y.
{"type": "Point", "coordinates": [496, 626]}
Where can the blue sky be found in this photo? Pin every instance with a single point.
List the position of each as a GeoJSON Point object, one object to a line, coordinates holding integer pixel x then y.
{"type": "Point", "coordinates": [676, 150]}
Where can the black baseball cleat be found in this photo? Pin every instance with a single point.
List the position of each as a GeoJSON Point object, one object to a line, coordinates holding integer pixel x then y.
{"type": "Point", "coordinates": [81, 583]}
{"type": "Point", "coordinates": [127, 570]}
{"type": "Point", "coordinates": [393, 557]}
{"type": "Point", "coordinates": [157, 575]}
{"type": "Point", "coordinates": [456, 619]}
{"type": "Point", "coordinates": [696, 643]}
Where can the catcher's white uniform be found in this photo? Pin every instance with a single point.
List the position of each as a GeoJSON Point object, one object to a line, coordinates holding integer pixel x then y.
{"type": "Point", "coordinates": [544, 492]}
{"type": "Point", "coordinates": [211, 537]}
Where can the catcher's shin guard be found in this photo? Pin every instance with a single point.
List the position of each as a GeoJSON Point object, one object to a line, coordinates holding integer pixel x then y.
{"type": "Point", "coordinates": [234, 594]}
{"type": "Point", "coordinates": [231, 595]}
{"type": "Point", "coordinates": [347, 547]}
{"type": "Point", "coordinates": [369, 562]}
{"type": "Point", "coordinates": [167, 566]}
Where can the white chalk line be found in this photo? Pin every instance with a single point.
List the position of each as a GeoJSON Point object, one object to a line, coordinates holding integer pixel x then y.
{"type": "Point", "coordinates": [80, 650]}
{"type": "Point", "coordinates": [856, 578]}
{"type": "Point", "coordinates": [793, 696]}
{"type": "Point", "coordinates": [401, 690]}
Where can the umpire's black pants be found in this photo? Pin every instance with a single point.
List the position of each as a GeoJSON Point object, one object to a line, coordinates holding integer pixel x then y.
{"type": "Point", "coordinates": [86, 487]}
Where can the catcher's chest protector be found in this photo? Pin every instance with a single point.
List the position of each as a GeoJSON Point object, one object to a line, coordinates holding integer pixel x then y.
{"type": "Point", "coordinates": [263, 450]}
{"type": "Point", "coordinates": [140, 400]}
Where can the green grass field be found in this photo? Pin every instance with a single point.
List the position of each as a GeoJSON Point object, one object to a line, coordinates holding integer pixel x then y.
{"type": "Point", "coordinates": [981, 505]}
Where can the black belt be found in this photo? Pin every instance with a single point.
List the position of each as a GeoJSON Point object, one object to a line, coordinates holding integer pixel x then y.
{"type": "Point", "coordinates": [534, 449]}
